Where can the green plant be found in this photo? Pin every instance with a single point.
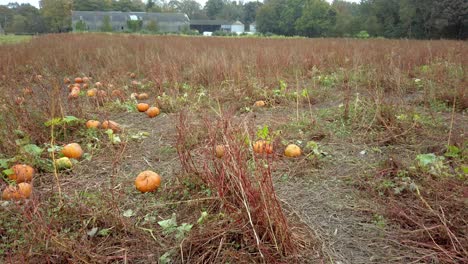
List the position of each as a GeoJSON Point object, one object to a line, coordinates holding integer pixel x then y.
{"type": "Point", "coordinates": [81, 26]}
{"type": "Point", "coordinates": [170, 226]}
{"type": "Point", "coordinates": [432, 164]}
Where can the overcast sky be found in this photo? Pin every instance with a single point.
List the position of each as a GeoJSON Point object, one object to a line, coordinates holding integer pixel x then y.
{"type": "Point", "coordinates": [36, 2]}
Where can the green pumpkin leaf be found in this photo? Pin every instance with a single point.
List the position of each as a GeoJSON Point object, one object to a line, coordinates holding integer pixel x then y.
{"type": "Point", "coordinates": [33, 149]}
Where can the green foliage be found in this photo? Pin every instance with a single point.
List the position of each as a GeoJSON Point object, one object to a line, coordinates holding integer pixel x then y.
{"type": "Point", "coordinates": [170, 226]}
{"type": "Point", "coordinates": [81, 26]}
{"type": "Point", "coordinates": [57, 14]}
{"type": "Point", "coordinates": [106, 24]}
{"type": "Point", "coordinates": [362, 34]}
{"type": "Point", "coordinates": [113, 138]}
{"type": "Point", "coordinates": [67, 120]}
{"type": "Point", "coordinates": [134, 25]}
{"type": "Point", "coordinates": [152, 26]}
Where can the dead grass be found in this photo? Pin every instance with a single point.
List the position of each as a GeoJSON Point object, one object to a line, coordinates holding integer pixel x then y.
{"type": "Point", "coordinates": [381, 96]}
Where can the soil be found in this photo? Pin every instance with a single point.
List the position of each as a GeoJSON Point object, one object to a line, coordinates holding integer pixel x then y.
{"type": "Point", "coordinates": [338, 215]}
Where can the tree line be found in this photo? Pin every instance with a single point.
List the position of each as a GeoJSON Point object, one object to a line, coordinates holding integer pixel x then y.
{"type": "Point", "coordinates": [420, 19]}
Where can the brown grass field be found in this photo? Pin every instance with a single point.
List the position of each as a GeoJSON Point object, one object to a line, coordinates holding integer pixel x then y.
{"type": "Point", "coordinates": [382, 177]}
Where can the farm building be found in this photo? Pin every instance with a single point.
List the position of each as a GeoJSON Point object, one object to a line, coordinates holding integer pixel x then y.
{"type": "Point", "coordinates": [123, 21]}
{"type": "Point", "coordinates": [253, 27]}
{"type": "Point", "coordinates": [216, 25]}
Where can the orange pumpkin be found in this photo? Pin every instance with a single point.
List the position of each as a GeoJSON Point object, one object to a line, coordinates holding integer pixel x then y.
{"type": "Point", "coordinates": [142, 107]}
{"type": "Point", "coordinates": [66, 80]}
{"type": "Point", "coordinates": [132, 75]}
{"type": "Point", "coordinates": [85, 86]}
{"type": "Point", "coordinates": [27, 91]}
{"type": "Point", "coordinates": [25, 189]}
{"type": "Point", "coordinates": [78, 80]}
{"type": "Point", "coordinates": [258, 146]}
{"type": "Point", "coordinates": [19, 100]}
{"type": "Point", "coordinates": [72, 151]}
{"type": "Point", "coordinates": [21, 173]}
{"type": "Point", "coordinates": [75, 93]}
{"type": "Point", "coordinates": [220, 151]}
{"type": "Point", "coordinates": [135, 83]}
{"type": "Point", "coordinates": [292, 151]}
{"type": "Point", "coordinates": [86, 79]}
{"type": "Point", "coordinates": [152, 112]}
{"type": "Point", "coordinates": [98, 84]}
{"type": "Point", "coordinates": [117, 93]}
{"type": "Point", "coordinates": [147, 181]}
{"type": "Point", "coordinates": [101, 93]}
{"type": "Point", "coordinates": [262, 146]}
{"type": "Point", "coordinates": [92, 124]}
{"type": "Point", "coordinates": [269, 148]}
{"type": "Point", "coordinates": [260, 103]}
{"type": "Point", "coordinates": [91, 92]}
{"type": "Point", "coordinates": [143, 96]}
{"type": "Point", "coordinates": [108, 124]}
{"type": "Point", "coordinates": [21, 191]}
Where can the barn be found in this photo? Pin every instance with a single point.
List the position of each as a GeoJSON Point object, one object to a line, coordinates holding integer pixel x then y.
{"type": "Point", "coordinates": [121, 21]}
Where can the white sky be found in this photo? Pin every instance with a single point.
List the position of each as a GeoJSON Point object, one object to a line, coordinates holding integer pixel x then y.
{"type": "Point", "coordinates": [36, 2]}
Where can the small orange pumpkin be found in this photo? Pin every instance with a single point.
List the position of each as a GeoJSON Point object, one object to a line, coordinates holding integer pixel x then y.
{"type": "Point", "coordinates": [143, 96]}
{"type": "Point", "coordinates": [86, 79]}
{"type": "Point", "coordinates": [262, 146]}
{"type": "Point", "coordinates": [101, 93]}
{"type": "Point", "coordinates": [117, 93]}
{"type": "Point", "coordinates": [292, 151]}
{"type": "Point", "coordinates": [78, 80]}
{"type": "Point", "coordinates": [92, 124]}
{"type": "Point", "coordinates": [72, 151]}
{"type": "Point", "coordinates": [21, 191]}
{"type": "Point", "coordinates": [132, 75]}
{"type": "Point", "coordinates": [66, 80]}
{"type": "Point", "coordinates": [269, 148]}
{"type": "Point", "coordinates": [220, 151]}
{"type": "Point", "coordinates": [98, 84]}
{"type": "Point", "coordinates": [21, 173]}
{"type": "Point", "coordinates": [260, 103]}
{"type": "Point", "coordinates": [142, 107]}
{"type": "Point", "coordinates": [108, 124]}
{"type": "Point", "coordinates": [75, 93]}
{"type": "Point", "coordinates": [85, 86]}
{"type": "Point", "coordinates": [258, 146]}
{"type": "Point", "coordinates": [91, 92]}
{"type": "Point", "coordinates": [27, 91]}
{"type": "Point", "coordinates": [135, 83]}
{"type": "Point", "coordinates": [152, 112]}
{"type": "Point", "coordinates": [19, 100]}
{"type": "Point", "coordinates": [147, 181]}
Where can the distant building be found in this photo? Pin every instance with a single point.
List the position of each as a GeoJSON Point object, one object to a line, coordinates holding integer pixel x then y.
{"type": "Point", "coordinates": [253, 27]}
{"type": "Point", "coordinates": [119, 21]}
{"type": "Point", "coordinates": [237, 27]}
{"type": "Point", "coordinates": [206, 25]}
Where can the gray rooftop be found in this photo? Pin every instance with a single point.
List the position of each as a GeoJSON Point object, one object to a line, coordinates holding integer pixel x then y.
{"type": "Point", "coordinates": [208, 22]}
{"type": "Point", "coordinates": [124, 16]}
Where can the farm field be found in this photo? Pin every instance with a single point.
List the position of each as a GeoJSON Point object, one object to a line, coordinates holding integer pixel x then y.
{"type": "Point", "coordinates": [378, 173]}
